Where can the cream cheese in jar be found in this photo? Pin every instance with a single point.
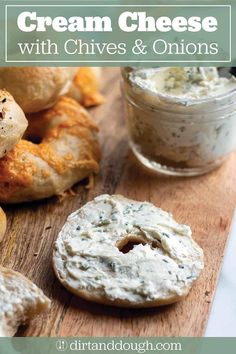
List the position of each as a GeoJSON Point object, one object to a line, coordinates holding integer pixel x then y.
{"type": "Point", "coordinates": [181, 121]}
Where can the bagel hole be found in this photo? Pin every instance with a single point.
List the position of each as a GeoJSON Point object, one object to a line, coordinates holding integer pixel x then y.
{"type": "Point", "coordinates": [34, 139]}
{"type": "Point", "coordinates": [35, 130]}
{"type": "Point", "coordinates": [128, 243]}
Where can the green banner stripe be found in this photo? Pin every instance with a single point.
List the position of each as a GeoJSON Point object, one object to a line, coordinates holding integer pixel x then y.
{"type": "Point", "coordinates": [114, 33]}
{"type": "Point", "coordinates": [118, 345]}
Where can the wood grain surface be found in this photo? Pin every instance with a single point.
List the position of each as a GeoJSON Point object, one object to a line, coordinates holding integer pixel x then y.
{"type": "Point", "coordinates": [206, 203]}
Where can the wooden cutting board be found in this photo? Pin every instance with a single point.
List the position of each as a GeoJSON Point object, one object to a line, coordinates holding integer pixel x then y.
{"type": "Point", "coordinates": [206, 203]}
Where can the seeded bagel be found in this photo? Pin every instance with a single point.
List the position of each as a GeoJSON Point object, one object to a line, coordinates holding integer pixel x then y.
{"type": "Point", "coordinates": [12, 122]}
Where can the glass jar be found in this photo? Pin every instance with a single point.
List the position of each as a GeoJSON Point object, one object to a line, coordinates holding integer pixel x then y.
{"type": "Point", "coordinates": [176, 137]}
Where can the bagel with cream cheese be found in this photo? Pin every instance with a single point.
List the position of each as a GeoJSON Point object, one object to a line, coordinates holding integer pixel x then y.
{"type": "Point", "coordinates": [36, 88]}
{"type": "Point", "coordinates": [66, 152]}
{"type": "Point", "coordinates": [20, 301]}
{"type": "Point", "coordinates": [126, 253]}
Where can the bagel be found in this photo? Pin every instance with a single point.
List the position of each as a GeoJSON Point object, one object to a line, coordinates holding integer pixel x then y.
{"type": "Point", "coordinates": [20, 301]}
{"type": "Point", "coordinates": [89, 257]}
{"type": "Point", "coordinates": [36, 88]}
{"type": "Point", "coordinates": [3, 224]}
{"type": "Point", "coordinates": [12, 122]}
{"type": "Point", "coordinates": [68, 152]}
{"type": "Point", "coordinates": [85, 87]}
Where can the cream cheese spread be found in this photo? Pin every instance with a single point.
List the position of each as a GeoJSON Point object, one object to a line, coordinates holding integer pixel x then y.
{"type": "Point", "coordinates": [188, 83]}
{"type": "Point", "coordinates": [160, 269]}
{"type": "Point", "coordinates": [181, 118]}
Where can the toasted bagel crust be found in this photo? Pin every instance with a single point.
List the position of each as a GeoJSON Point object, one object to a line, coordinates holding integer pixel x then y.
{"type": "Point", "coordinates": [85, 87]}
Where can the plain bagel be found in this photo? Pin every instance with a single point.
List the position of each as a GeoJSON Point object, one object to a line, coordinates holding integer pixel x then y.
{"type": "Point", "coordinates": [12, 122]}
{"type": "Point", "coordinates": [66, 152]}
{"type": "Point", "coordinates": [36, 88]}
